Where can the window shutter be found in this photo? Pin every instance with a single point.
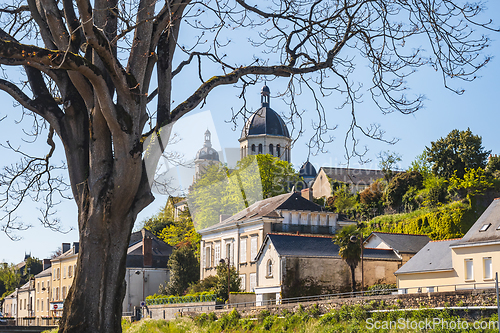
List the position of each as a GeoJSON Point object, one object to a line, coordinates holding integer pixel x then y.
{"type": "Point", "coordinates": [243, 250]}
{"type": "Point", "coordinates": [253, 249]}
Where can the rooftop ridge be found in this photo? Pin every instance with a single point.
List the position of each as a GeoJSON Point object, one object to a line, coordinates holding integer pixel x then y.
{"type": "Point", "coordinates": [397, 233]}
{"type": "Point", "coordinates": [444, 240]}
{"type": "Point", "coordinates": [299, 235]}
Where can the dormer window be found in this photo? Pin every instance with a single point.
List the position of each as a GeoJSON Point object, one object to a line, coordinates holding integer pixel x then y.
{"type": "Point", "coordinates": [485, 227]}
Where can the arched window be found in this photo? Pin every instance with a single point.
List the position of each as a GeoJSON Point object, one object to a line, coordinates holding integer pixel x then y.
{"type": "Point", "coordinates": [278, 151]}
{"type": "Point", "coordinates": [271, 149]}
{"type": "Point", "coordinates": [253, 148]}
{"type": "Point", "coordinates": [260, 148]}
{"type": "Point", "coordinates": [269, 268]}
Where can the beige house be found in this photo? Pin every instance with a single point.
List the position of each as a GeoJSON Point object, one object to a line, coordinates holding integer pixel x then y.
{"type": "Point", "coordinates": [466, 263]}
{"type": "Point", "coordinates": [239, 237]}
{"type": "Point", "coordinates": [25, 300]}
{"type": "Point", "coordinates": [299, 265]}
{"type": "Point", "coordinates": [357, 179]}
{"type": "Point", "coordinates": [43, 289]}
{"type": "Point", "coordinates": [62, 274]}
{"type": "Point", "coordinates": [9, 306]}
{"type": "Point", "coordinates": [405, 245]}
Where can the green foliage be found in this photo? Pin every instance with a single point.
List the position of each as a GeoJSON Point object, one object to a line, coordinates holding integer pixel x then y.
{"type": "Point", "coordinates": [456, 152]}
{"type": "Point", "coordinates": [434, 192]}
{"type": "Point", "coordinates": [189, 298]}
{"type": "Point", "coordinates": [184, 270]}
{"type": "Point", "coordinates": [421, 165]}
{"type": "Point", "coordinates": [207, 284]}
{"type": "Point", "coordinates": [445, 222]}
{"type": "Point", "coordinates": [221, 285]}
{"type": "Point", "coordinates": [399, 185]}
{"type": "Point", "coordinates": [388, 162]}
{"type": "Point", "coordinates": [343, 199]}
{"type": "Point", "coordinates": [33, 267]}
{"type": "Point", "coordinates": [474, 181]}
{"type": "Point", "coordinates": [381, 289]}
{"type": "Point", "coordinates": [220, 192]}
{"type": "Point", "coordinates": [10, 279]}
{"type": "Point", "coordinates": [349, 248]}
{"type": "Point", "coordinates": [493, 166]}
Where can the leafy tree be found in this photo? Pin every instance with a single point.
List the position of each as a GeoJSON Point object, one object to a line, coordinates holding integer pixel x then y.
{"type": "Point", "coordinates": [10, 279]}
{"type": "Point", "coordinates": [221, 285]}
{"type": "Point", "coordinates": [88, 79]}
{"type": "Point", "coordinates": [220, 192]}
{"type": "Point", "coordinates": [372, 194]}
{"type": "Point", "coordinates": [493, 166]}
{"type": "Point", "coordinates": [458, 151]}
{"type": "Point", "coordinates": [474, 181]}
{"type": "Point", "coordinates": [388, 163]}
{"type": "Point", "coordinates": [398, 186]}
{"type": "Point", "coordinates": [205, 285]}
{"type": "Point", "coordinates": [184, 270]}
{"type": "Point", "coordinates": [343, 199]}
{"type": "Point", "coordinates": [421, 165]}
{"type": "Point", "coordinates": [349, 248]}
{"type": "Point", "coordinates": [33, 267]}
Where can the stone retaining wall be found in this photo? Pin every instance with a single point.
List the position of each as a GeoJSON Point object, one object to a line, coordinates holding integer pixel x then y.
{"type": "Point", "coordinates": [462, 298]}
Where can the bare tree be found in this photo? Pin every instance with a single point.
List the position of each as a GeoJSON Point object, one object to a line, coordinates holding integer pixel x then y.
{"type": "Point", "coordinates": [88, 67]}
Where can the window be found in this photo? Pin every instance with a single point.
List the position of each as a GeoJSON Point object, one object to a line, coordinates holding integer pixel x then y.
{"type": "Point", "coordinates": [469, 270]}
{"type": "Point", "coordinates": [243, 285]}
{"type": "Point", "coordinates": [43, 286]}
{"type": "Point", "coordinates": [253, 281]}
{"type": "Point", "coordinates": [253, 148]}
{"type": "Point", "coordinates": [207, 259]}
{"type": "Point", "coordinates": [57, 293]}
{"type": "Point", "coordinates": [37, 305]}
{"type": "Point", "coordinates": [228, 252]}
{"type": "Point", "coordinates": [41, 309]}
{"type": "Point", "coordinates": [253, 248]}
{"type": "Point", "coordinates": [278, 151]}
{"type": "Point", "coordinates": [430, 289]}
{"type": "Point", "coordinates": [260, 148]}
{"type": "Point", "coordinates": [243, 249]}
{"type": "Point", "coordinates": [64, 272]}
{"type": "Point", "coordinates": [488, 271]}
{"type": "Point", "coordinates": [70, 271]}
{"type": "Point", "coordinates": [58, 274]}
{"type": "Point", "coordinates": [64, 292]}
{"type": "Point", "coordinates": [53, 293]}
{"type": "Point", "coordinates": [271, 149]}
{"type": "Point", "coordinates": [485, 227]}
{"type": "Point", "coordinates": [269, 268]}
{"type": "Point", "coordinates": [38, 287]}
{"type": "Point", "coordinates": [217, 253]}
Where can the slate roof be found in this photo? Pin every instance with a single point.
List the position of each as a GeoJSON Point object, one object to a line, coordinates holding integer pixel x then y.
{"type": "Point", "coordinates": [268, 207]}
{"type": "Point", "coordinates": [355, 176]}
{"type": "Point", "coordinates": [435, 256]}
{"type": "Point", "coordinates": [490, 216]}
{"type": "Point", "coordinates": [317, 246]}
{"type": "Point", "coordinates": [308, 170]}
{"type": "Point", "coordinates": [44, 273]}
{"type": "Point", "coordinates": [161, 250]}
{"type": "Point", "coordinates": [403, 243]}
{"type": "Point", "coordinates": [265, 121]}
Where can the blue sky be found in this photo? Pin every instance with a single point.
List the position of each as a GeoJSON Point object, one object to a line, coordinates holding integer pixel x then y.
{"type": "Point", "coordinates": [444, 111]}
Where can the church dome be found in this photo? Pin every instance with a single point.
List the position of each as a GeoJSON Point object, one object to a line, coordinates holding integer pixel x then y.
{"type": "Point", "coordinates": [265, 120]}
{"type": "Point", "coordinates": [307, 170]}
{"type": "Point", "coordinates": [207, 152]}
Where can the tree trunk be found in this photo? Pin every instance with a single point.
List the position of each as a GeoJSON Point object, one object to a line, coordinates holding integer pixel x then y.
{"type": "Point", "coordinates": [100, 268]}
{"type": "Point", "coordinates": [353, 279]}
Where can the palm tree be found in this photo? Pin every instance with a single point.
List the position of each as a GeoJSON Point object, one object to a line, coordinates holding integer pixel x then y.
{"type": "Point", "coordinates": [349, 248]}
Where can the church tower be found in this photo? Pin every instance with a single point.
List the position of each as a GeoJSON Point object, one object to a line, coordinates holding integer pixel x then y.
{"type": "Point", "coordinates": [206, 156]}
{"type": "Point", "coordinates": [265, 132]}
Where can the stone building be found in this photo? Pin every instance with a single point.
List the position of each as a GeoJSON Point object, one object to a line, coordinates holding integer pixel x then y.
{"type": "Point", "coordinates": [265, 132]}
{"type": "Point", "coordinates": [206, 156]}
{"type": "Point", "coordinates": [239, 237]}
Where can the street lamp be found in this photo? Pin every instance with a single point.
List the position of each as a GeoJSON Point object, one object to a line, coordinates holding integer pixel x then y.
{"type": "Point", "coordinates": [228, 277]}
{"type": "Point", "coordinates": [354, 239]}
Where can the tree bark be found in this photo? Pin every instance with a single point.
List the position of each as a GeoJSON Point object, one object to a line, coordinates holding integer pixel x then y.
{"type": "Point", "coordinates": [101, 269]}
{"type": "Point", "coordinates": [353, 279]}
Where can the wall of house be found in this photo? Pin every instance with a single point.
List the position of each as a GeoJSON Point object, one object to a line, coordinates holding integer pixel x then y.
{"type": "Point", "coordinates": [375, 242]}
{"type": "Point", "coordinates": [321, 186]}
{"type": "Point", "coordinates": [9, 306]}
{"type": "Point", "coordinates": [477, 254]}
{"type": "Point", "coordinates": [142, 282]}
{"type": "Point", "coordinates": [419, 282]}
{"type": "Point", "coordinates": [63, 272]}
{"type": "Point", "coordinates": [377, 271]}
{"type": "Point", "coordinates": [264, 279]}
{"type": "Point", "coordinates": [42, 296]}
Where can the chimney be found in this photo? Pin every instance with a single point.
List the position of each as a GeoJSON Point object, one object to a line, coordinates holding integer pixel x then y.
{"type": "Point", "coordinates": [147, 251]}
{"type": "Point", "coordinates": [46, 263]}
{"type": "Point", "coordinates": [65, 247]}
{"type": "Point", "coordinates": [76, 246]}
{"type": "Point", "coordinates": [307, 194]}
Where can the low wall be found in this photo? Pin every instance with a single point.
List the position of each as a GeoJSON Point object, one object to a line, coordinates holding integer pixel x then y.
{"type": "Point", "coordinates": [171, 311]}
{"type": "Point", "coordinates": [461, 298]}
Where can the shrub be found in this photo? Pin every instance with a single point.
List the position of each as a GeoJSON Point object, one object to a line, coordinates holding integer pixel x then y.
{"type": "Point", "coordinates": [399, 185]}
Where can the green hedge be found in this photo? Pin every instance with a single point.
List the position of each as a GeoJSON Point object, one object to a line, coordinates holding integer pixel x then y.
{"type": "Point", "coordinates": [190, 298]}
